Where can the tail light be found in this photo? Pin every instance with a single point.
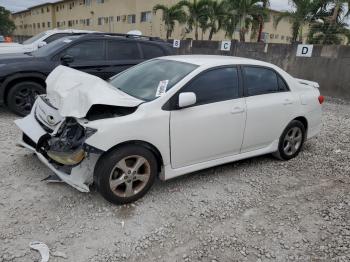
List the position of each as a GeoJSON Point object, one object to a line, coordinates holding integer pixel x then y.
{"type": "Point", "coordinates": [321, 99]}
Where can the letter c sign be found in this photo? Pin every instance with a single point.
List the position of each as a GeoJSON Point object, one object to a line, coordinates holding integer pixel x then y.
{"type": "Point", "coordinates": [225, 46]}
{"type": "Point", "coordinates": [305, 50]}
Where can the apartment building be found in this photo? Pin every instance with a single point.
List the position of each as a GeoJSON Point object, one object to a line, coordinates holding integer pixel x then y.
{"type": "Point", "coordinates": [121, 16]}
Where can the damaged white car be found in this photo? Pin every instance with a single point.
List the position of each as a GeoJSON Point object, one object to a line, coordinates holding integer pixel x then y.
{"type": "Point", "coordinates": [168, 117]}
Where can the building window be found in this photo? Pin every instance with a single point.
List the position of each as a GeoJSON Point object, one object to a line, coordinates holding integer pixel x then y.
{"type": "Point", "coordinates": [131, 19]}
{"type": "Point", "coordinates": [99, 21]}
{"type": "Point", "coordinates": [48, 24]}
{"type": "Point", "coordinates": [282, 37]}
{"type": "Point", "coordinates": [70, 24]}
{"type": "Point", "coordinates": [100, 1]}
{"type": "Point", "coordinates": [146, 16]}
{"type": "Point", "coordinates": [57, 8]}
{"type": "Point", "coordinates": [42, 10]}
{"type": "Point", "coordinates": [58, 24]}
{"type": "Point", "coordinates": [88, 22]}
{"type": "Point", "coordinates": [118, 18]}
{"type": "Point", "coordinates": [43, 25]}
{"type": "Point", "coordinates": [87, 2]}
{"type": "Point", "coordinates": [111, 19]}
{"type": "Point", "coordinates": [48, 9]}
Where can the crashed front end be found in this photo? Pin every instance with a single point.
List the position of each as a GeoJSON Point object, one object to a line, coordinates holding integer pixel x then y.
{"type": "Point", "coordinates": [60, 144]}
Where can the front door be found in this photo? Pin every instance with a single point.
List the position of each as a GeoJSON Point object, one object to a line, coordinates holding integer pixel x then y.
{"type": "Point", "coordinates": [213, 128]}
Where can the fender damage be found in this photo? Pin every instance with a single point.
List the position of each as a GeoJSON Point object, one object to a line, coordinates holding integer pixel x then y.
{"type": "Point", "coordinates": [57, 127]}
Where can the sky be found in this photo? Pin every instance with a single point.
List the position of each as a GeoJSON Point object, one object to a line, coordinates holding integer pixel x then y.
{"type": "Point", "coordinates": [18, 5]}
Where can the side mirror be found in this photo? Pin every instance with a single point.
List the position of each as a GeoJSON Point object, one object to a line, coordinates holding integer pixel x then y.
{"type": "Point", "coordinates": [67, 59]}
{"type": "Point", "coordinates": [41, 44]}
{"type": "Point", "coordinates": [187, 99]}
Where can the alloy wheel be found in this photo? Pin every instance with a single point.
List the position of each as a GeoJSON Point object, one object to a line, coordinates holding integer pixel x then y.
{"type": "Point", "coordinates": [292, 141]}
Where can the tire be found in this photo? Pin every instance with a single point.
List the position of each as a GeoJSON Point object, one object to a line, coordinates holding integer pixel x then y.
{"type": "Point", "coordinates": [21, 97]}
{"type": "Point", "coordinates": [129, 166]}
{"type": "Point", "coordinates": [291, 141]}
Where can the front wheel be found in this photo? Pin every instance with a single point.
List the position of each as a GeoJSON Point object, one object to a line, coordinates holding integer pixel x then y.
{"type": "Point", "coordinates": [21, 97]}
{"type": "Point", "coordinates": [291, 141]}
{"type": "Point", "coordinates": [126, 174]}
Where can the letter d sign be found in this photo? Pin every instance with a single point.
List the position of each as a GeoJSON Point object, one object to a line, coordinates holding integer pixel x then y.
{"type": "Point", "coordinates": [305, 50]}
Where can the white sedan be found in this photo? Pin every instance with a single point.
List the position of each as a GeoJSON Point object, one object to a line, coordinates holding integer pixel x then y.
{"type": "Point", "coordinates": [167, 117]}
{"type": "Point", "coordinates": [38, 41]}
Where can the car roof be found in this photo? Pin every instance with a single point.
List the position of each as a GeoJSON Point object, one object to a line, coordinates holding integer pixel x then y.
{"type": "Point", "coordinates": [215, 60]}
{"type": "Point", "coordinates": [55, 30]}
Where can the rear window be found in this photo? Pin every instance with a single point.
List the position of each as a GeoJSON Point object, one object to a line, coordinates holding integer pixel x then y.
{"type": "Point", "coordinates": [123, 50]}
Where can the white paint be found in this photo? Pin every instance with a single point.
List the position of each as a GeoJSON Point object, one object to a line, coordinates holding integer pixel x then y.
{"type": "Point", "coordinates": [188, 139]}
{"type": "Point", "coordinates": [177, 43]}
{"type": "Point", "coordinates": [225, 46]}
{"type": "Point", "coordinates": [12, 48]}
{"type": "Point", "coordinates": [305, 50]}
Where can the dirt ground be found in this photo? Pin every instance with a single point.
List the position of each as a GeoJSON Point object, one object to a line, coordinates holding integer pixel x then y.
{"type": "Point", "coordinates": [259, 209]}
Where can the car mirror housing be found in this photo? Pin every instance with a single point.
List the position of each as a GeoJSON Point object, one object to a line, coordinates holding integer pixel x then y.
{"type": "Point", "coordinates": [41, 44]}
{"type": "Point", "coordinates": [67, 59]}
{"type": "Point", "coordinates": [187, 99]}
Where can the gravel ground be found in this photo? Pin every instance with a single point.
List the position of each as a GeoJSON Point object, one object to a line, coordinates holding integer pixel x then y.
{"type": "Point", "coordinates": [253, 210]}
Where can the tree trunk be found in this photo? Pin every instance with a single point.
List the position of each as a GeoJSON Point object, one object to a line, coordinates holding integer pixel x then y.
{"type": "Point", "coordinates": [196, 32]}
{"type": "Point", "coordinates": [168, 34]}
{"type": "Point", "coordinates": [261, 25]}
{"type": "Point", "coordinates": [211, 34]}
{"type": "Point", "coordinates": [242, 34]}
{"type": "Point", "coordinates": [336, 12]}
{"type": "Point", "coordinates": [295, 33]}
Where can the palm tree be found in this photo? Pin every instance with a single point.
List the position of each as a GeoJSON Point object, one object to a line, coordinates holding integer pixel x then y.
{"type": "Point", "coordinates": [216, 14]}
{"type": "Point", "coordinates": [338, 9]}
{"type": "Point", "coordinates": [246, 12]}
{"type": "Point", "coordinates": [266, 3]}
{"type": "Point", "coordinates": [170, 16]}
{"type": "Point", "coordinates": [303, 13]}
{"type": "Point", "coordinates": [197, 12]}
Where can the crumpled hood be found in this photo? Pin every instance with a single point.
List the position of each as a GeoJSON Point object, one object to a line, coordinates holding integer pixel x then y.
{"type": "Point", "coordinates": [73, 92]}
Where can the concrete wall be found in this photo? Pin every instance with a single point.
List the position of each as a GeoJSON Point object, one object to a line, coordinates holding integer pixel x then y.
{"type": "Point", "coordinates": [329, 65]}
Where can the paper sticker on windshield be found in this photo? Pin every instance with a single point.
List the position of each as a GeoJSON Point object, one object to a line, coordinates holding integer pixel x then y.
{"type": "Point", "coordinates": [161, 90]}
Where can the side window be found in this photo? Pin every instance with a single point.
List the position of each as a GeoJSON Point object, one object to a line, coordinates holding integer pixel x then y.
{"type": "Point", "coordinates": [86, 51]}
{"type": "Point", "coordinates": [151, 51]}
{"type": "Point", "coordinates": [215, 85]}
{"type": "Point", "coordinates": [123, 50]}
{"type": "Point", "coordinates": [55, 37]}
{"type": "Point", "coordinates": [259, 81]}
{"type": "Point", "coordinates": [282, 85]}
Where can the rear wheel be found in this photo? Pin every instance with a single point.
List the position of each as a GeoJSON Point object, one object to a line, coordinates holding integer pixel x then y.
{"type": "Point", "coordinates": [291, 141]}
{"type": "Point", "coordinates": [126, 174]}
{"type": "Point", "coordinates": [21, 97]}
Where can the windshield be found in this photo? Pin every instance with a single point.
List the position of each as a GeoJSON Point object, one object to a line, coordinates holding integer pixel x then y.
{"type": "Point", "coordinates": [34, 38]}
{"type": "Point", "coordinates": [151, 79]}
{"type": "Point", "coordinates": [54, 46]}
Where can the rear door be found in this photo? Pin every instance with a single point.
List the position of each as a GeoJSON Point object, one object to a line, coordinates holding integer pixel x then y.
{"type": "Point", "coordinates": [89, 56]}
{"type": "Point", "coordinates": [121, 55]}
{"type": "Point", "coordinates": [270, 106]}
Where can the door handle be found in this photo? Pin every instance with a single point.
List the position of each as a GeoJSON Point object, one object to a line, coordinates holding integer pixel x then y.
{"type": "Point", "coordinates": [287, 102]}
{"type": "Point", "coordinates": [237, 110]}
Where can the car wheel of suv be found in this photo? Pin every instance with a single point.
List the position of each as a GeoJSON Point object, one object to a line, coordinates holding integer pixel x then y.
{"type": "Point", "coordinates": [21, 97]}
{"type": "Point", "coordinates": [126, 174]}
{"type": "Point", "coordinates": [291, 141]}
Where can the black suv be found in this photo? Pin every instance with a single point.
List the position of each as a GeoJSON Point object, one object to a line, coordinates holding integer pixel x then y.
{"type": "Point", "coordinates": [22, 76]}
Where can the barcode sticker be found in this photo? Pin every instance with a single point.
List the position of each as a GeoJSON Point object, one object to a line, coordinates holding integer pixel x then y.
{"type": "Point", "coordinates": [161, 90]}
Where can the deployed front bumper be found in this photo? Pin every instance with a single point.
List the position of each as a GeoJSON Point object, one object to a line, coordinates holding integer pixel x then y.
{"type": "Point", "coordinates": [79, 176]}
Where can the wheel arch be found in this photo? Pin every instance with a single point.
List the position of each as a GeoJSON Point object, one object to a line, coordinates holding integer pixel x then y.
{"type": "Point", "coordinates": [303, 120]}
{"type": "Point", "coordinates": [14, 79]}
{"type": "Point", "coordinates": [140, 143]}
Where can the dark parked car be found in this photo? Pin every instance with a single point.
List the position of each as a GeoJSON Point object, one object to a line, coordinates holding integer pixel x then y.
{"type": "Point", "coordinates": [22, 76]}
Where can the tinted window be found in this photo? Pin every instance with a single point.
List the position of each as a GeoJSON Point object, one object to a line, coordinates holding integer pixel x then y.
{"type": "Point", "coordinates": [121, 50]}
{"type": "Point", "coordinates": [216, 85]}
{"type": "Point", "coordinates": [85, 51]}
{"type": "Point", "coordinates": [55, 37]}
{"type": "Point", "coordinates": [260, 81]}
{"type": "Point", "coordinates": [151, 51]}
{"type": "Point", "coordinates": [282, 85]}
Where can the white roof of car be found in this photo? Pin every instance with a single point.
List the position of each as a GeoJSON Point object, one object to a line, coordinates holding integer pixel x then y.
{"type": "Point", "coordinates": [211, 60]}
{"type": "Point", "coordinates": [55, 30]}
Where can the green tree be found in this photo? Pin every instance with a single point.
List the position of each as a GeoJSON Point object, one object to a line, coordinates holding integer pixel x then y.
{"type": "Point", "coordinates": [171, 15]}
{"type": "Point", "coordinates": [197, 13]}
{"type": "Point", "coordinates": [6, 24]}
{"type": "Point", "coordinates": [303, 13]}
{"type": "Point", "coordinates": [246, 12]}
{"type": "Point", "coordinates": [339, 6]}
{"type": "Point", "coordinates": [216, 15]}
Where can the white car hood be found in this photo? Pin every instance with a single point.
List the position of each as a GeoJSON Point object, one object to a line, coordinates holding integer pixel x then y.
{"type": "Point", "coordinates": [73, 92]}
